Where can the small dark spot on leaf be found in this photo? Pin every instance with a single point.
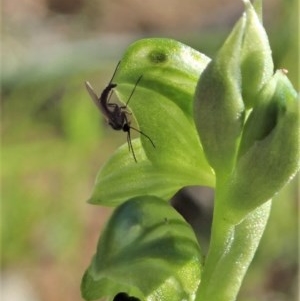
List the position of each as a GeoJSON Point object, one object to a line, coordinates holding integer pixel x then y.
{"type": "Point", "coordinates": [157, 56]}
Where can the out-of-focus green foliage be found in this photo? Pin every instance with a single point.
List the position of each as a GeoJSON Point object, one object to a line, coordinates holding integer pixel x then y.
{"type": "Point", "coordinates": [49, 132]}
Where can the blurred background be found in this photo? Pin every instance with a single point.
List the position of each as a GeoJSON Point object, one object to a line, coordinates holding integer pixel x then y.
{"type": "Point", "coordinates": [54, 140]}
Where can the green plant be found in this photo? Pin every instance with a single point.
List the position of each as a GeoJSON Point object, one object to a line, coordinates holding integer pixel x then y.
{"type": "Point", "coordinates": [227, 123]}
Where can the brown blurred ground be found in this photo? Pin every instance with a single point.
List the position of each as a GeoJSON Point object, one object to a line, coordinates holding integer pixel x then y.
{"type": "Point", "coordinates": [124, 16]}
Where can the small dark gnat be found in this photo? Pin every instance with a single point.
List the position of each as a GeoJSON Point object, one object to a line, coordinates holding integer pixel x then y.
{"type": "Point", "coordinates": [115, 114]}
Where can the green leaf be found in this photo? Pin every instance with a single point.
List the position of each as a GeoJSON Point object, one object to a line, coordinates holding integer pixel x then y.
{"type": "Point", "coordinates": [121, 178]}
{"type": "Point", "coordinates": [94, 290]}
{"type": "Point", "coordinates": [146, 250]}
{"type": "Point", "coordinates": [162, 106]}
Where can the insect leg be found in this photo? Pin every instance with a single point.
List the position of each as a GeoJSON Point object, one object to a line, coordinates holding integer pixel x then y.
{"type": "Point", "coordinates": [143, 135]}
{"type": "Point", "coordinates": [109, 97]}
{"type": "Point", "coordinates": [130, 145]}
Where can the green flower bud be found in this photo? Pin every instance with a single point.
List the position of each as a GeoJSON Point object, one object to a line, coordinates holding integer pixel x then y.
{"type": "Point", "coordinates": [269, 150]}
{"type": "Point", "coordinates": [229, 84]}
{"type": "Point", "coordinates": [256, 60]}
{"type": "Point", "coordinates": [218, 107]}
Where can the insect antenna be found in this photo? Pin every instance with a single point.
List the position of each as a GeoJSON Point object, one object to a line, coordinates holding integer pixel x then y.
{"type": "Point", "coordinates": [137, 82]}
{"type": "Point", "coordinates": [117, 67]}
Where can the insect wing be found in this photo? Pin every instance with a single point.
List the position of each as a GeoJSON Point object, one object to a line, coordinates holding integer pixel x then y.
{"type": "Point", "coordinates": [92, 94]}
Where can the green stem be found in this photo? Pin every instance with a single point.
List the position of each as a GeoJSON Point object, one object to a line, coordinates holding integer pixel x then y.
{"type": "Point", "coordinates": [231, 251]}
